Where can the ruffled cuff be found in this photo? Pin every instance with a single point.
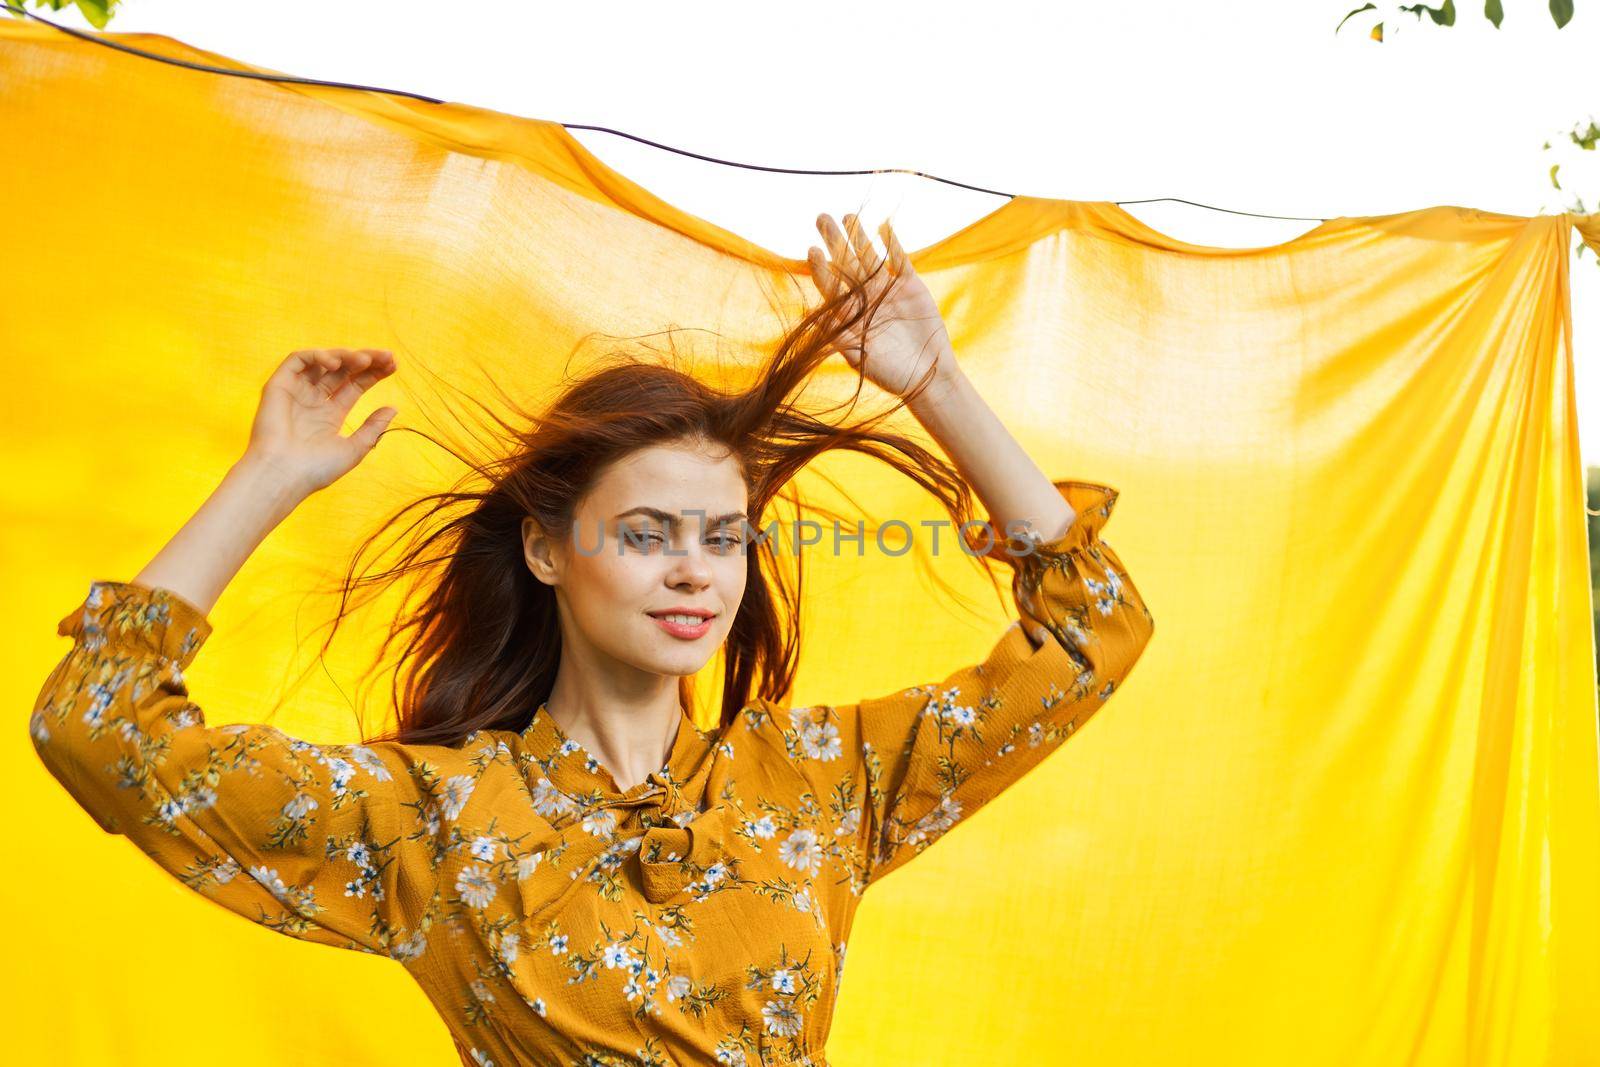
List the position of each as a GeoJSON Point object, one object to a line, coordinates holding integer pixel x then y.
{"type": "Point", "coordinates": [144, 620]}
{"type": "Point", "coordinates": [1091, 501]}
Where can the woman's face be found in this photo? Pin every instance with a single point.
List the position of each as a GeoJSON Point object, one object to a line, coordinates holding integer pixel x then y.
{"type": "Point", "coordinates": [662, 529]}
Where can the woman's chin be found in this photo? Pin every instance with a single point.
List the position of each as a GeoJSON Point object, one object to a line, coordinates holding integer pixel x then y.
{"type": "Point", "coordinates": [679, 661]}
{"type": "Point", "coordinates": [682, 665]}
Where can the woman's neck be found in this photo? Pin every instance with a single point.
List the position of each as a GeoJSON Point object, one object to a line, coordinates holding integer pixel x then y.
{"type": "Point", "coordinates": [629, 741]}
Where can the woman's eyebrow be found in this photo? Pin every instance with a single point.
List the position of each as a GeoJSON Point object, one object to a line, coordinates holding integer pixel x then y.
{"type": "Point", "coordinates": [673, 520]}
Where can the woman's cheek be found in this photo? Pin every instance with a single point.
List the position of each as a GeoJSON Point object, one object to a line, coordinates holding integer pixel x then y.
{"type": "Point", "coordinates": [733, 584]}
{"type": "Point", "coordinates": [610, 584]}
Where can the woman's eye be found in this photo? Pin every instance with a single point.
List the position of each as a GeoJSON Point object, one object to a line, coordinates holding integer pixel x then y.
{"type": "Point", "coordinates": [647, 538]}
{"type": "Point", "coordinates": [642, 538]}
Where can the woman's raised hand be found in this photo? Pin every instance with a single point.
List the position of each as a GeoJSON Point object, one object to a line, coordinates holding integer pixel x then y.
{"type": "Point", "coordinates": [303, 407]}
{"type": "Point", "coordinates": [907, 335]}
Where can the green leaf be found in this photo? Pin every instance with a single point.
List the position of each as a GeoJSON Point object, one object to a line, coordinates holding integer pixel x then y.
{"type": "Point", "coordinates": [98, 12]}
{"type": "Point", "coordinates": [1357, 11]}
{"type": "Point", "coordinates": [1553, 170]}
{"type": "Point", "coordinates": [1561, 11]}
{"type": "Point", "coordinates": [1588, 139]}
{"type": "Point", "coordinates": [1493, 12]}
{"type": "Point", "coordinates": [1444, 15]}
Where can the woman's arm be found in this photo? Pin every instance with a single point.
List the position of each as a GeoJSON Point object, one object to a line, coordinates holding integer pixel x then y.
{"type": "Point", "coordinates": [909, 341]}
{"type": "Point", "coordinates": [897, 771]}
{"type": "Point", "coordinates": [295, 449]}
{"type": "Point", "coordinates": [335, 844]}
{"type": "Point", "coordinates": [1012, 487]}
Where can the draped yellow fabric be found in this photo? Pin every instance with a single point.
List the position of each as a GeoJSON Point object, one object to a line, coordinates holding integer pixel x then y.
{"type": "Point", "coordinates": [1347, 810]}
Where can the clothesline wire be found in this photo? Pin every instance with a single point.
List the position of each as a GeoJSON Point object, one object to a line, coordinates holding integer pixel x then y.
{"type": "Point", "coordinates": [119, 46]}
{"type": "Point", "coordinates": [606, 129]}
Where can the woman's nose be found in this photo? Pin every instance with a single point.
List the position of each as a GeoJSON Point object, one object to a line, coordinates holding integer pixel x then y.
{"type": "Point", "coordinates": [689, 564]}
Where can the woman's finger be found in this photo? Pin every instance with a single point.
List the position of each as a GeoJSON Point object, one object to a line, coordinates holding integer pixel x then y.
{"type": "Point", "coordinates": [381, 367]}
{"type": "Point", "coordinates": [302, 369]}
{"type": "Point", "coordinates": [823, 273]}
{"type": "Point", "coordinates": [293, 366]}
{"type": "Point", "coordinates": [898, 257]}
{"type": "Point", "coordinates": [326, 375]}
{"type": "Point", "coordinates": [366, 435]}
{"type": "Point", "coordinates": [866, 253]}
{"type": "Point", "coordinates": [340, 387]}
{"type": "Point", "coordinates": [325, 364]}
{"type": "Point", "coordinates": [844, 259]}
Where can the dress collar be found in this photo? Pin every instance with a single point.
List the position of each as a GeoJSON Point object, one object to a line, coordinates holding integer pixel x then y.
{"type": "Point", "coordinates": [575, 772]}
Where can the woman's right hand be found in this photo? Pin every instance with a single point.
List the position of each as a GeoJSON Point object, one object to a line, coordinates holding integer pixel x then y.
{"type": "Point", "coordinates": [303, 407]}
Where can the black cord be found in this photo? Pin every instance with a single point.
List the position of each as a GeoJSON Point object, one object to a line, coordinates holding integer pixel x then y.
{"type": "Point", "coordinates": [601, 129]}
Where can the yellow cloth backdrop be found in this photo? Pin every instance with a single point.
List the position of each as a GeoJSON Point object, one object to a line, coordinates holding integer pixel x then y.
{"type": "Point", "coordinates": [1344, 812]}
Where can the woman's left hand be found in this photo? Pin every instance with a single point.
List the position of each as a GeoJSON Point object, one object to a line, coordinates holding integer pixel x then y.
{"type": "Point", "coordinates": [907, 334]}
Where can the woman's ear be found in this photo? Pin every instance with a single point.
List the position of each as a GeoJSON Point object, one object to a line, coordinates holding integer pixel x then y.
{"type": "Point", "coordinates": [538, 552]}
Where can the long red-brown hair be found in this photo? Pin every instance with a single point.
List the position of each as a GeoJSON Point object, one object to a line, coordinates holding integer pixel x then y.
{"type": "Point", "coordinates": [479, 636]}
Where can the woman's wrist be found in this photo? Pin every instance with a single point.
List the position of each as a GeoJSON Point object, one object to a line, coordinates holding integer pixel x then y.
{"type": "Point", "coordinates": [948, 379]}
{"type": "Point", "coordinates": [280, 489]}
{"type": "Point", "coordinates": [200, 560]}
{"type": "Point", "coordinates": [945, 390]}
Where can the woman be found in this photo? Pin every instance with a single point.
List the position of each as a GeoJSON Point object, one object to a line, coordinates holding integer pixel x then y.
{"type": "Point", "coordinates": [569, 867]}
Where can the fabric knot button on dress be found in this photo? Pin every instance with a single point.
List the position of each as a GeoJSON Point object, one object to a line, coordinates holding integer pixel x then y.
{"type": "Point", "coordinates": [692, 857]}
{"type": "Point", "coordinates": [671, 797]}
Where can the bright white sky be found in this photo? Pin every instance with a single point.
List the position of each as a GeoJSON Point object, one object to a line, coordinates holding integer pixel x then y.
{"type": "Point", "coordinates": [1249, 104]}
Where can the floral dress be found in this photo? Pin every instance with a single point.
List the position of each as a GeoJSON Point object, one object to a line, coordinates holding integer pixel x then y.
{"type": "Point", "coordinates": [700, 916]}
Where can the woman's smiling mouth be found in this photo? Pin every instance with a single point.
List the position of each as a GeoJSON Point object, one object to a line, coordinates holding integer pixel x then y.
{"type": "Point", "coordinates": [687, 625]}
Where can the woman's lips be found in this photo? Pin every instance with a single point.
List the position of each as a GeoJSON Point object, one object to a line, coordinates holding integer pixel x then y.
{"type": "Point", "coordinates": [683, 630]}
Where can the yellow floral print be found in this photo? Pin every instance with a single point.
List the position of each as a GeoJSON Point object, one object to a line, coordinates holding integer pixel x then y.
{"type": "Point", "coordinates": [700, 916]}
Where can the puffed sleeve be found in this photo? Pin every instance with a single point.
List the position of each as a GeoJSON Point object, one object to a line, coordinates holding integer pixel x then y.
{"type": "Point", "coordinates": [334, 844]}
{"type": "Point", "coordinates": [898, 771]}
